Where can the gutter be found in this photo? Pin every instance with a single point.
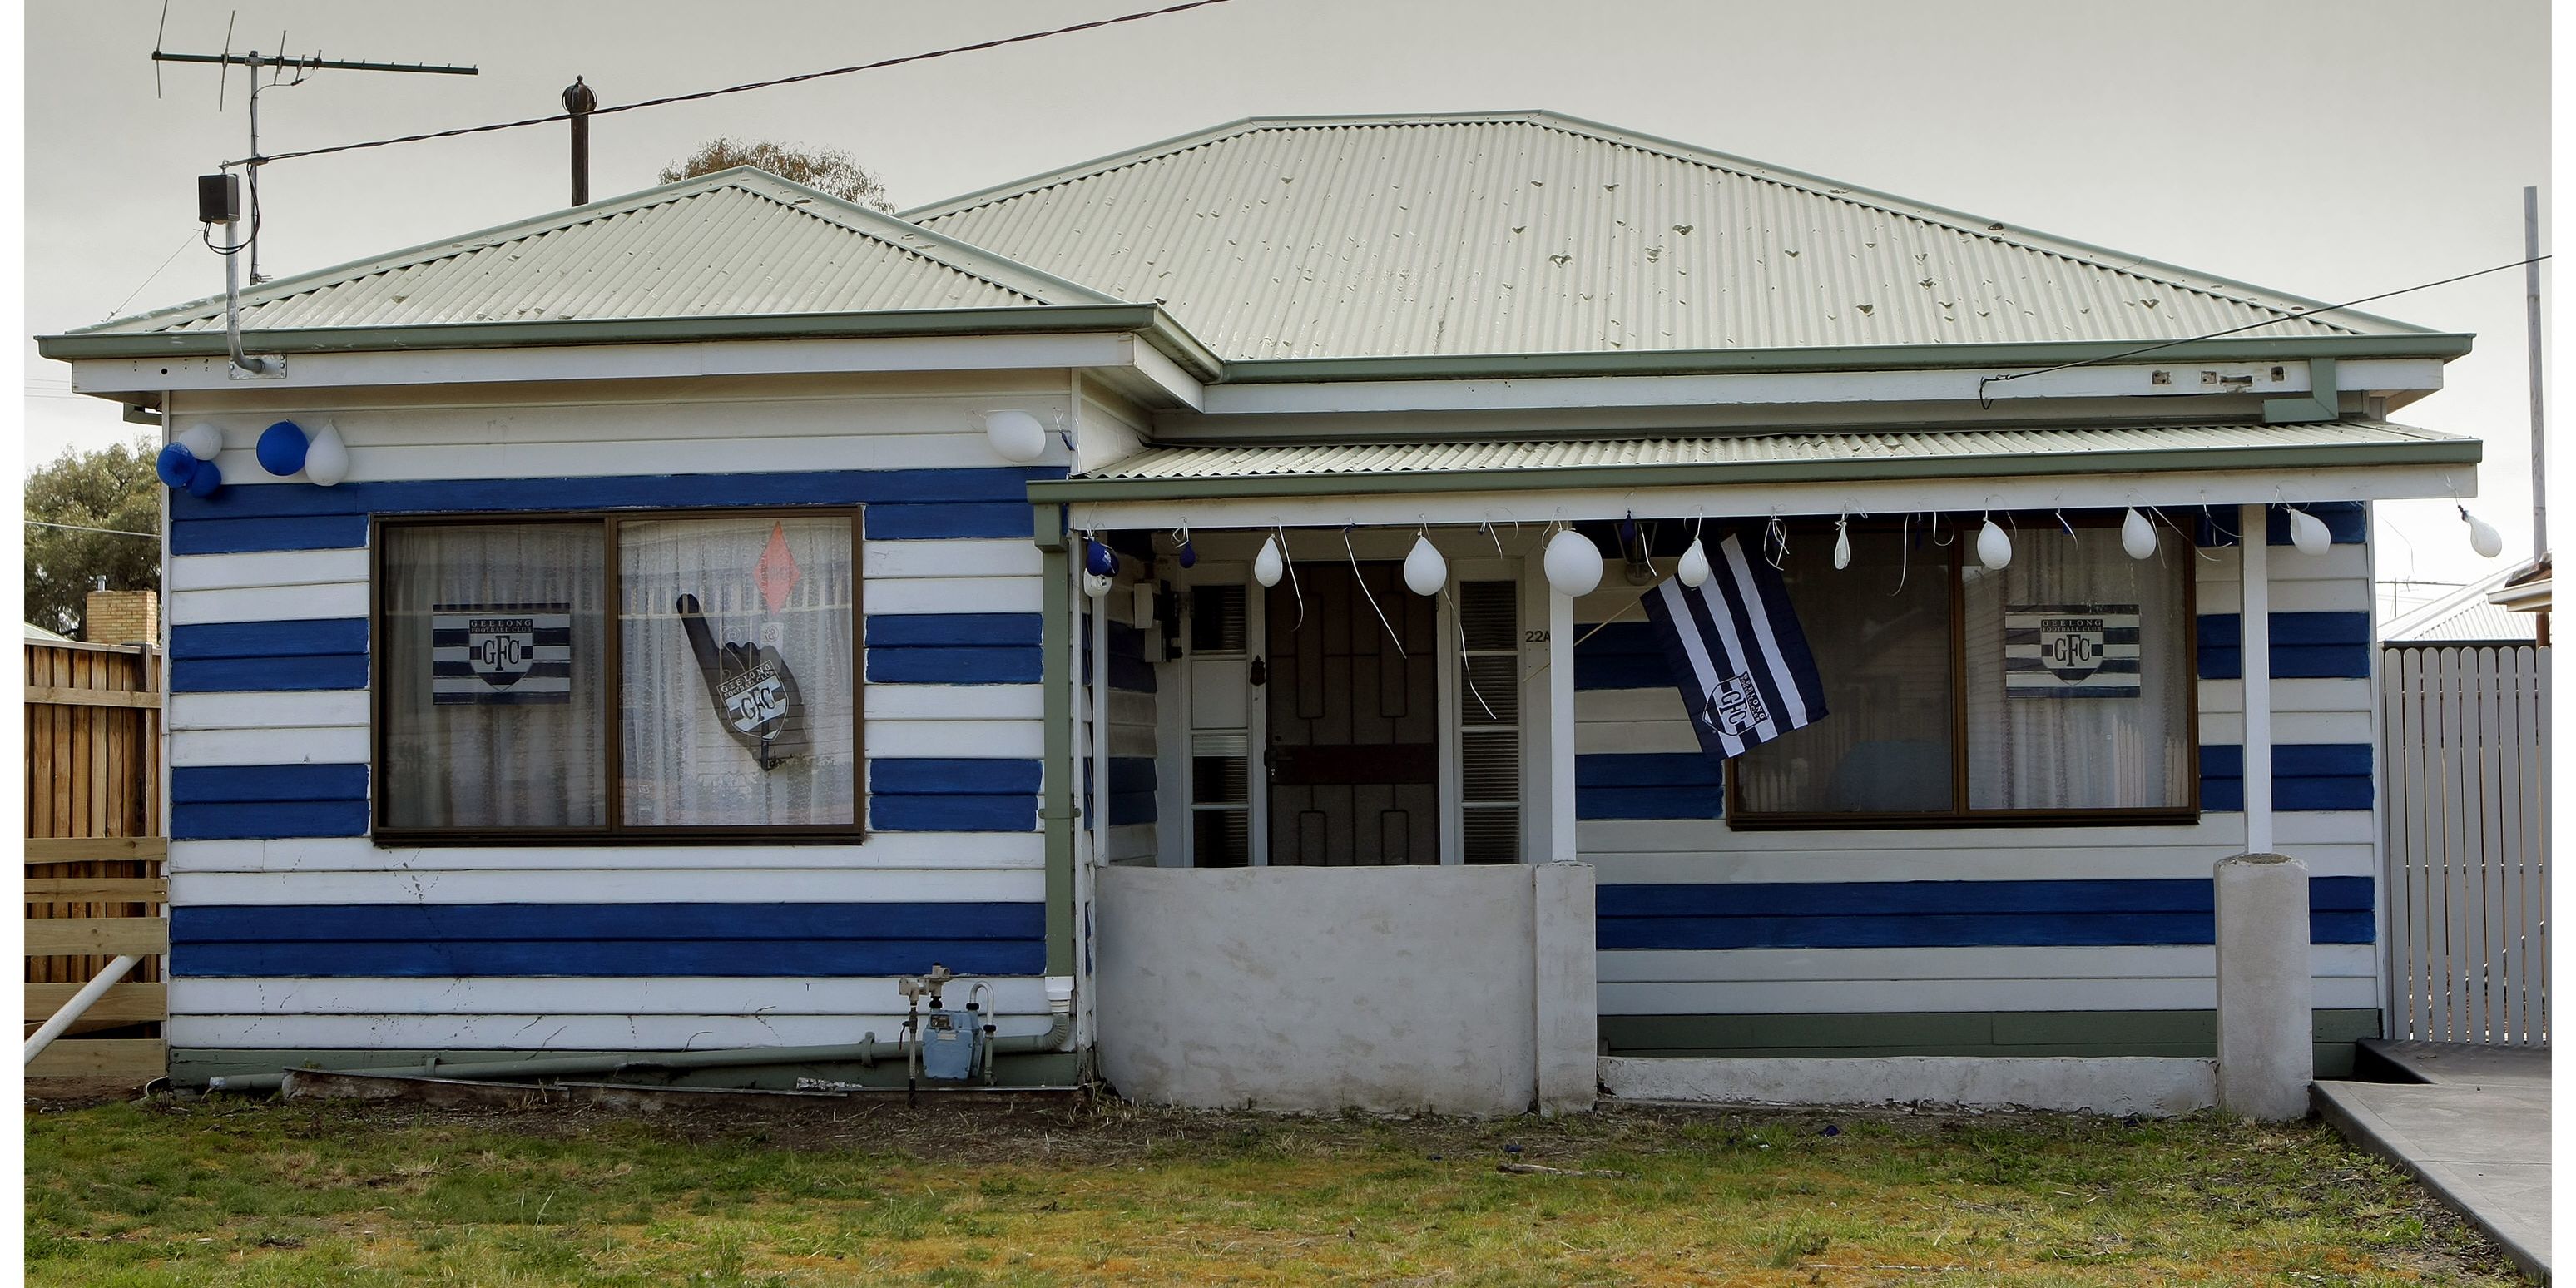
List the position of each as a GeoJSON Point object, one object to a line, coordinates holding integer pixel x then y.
{"type": "Point", "coordinates": [1147, 321]}
{"type": "Point", "coordinates": [2466, 451]}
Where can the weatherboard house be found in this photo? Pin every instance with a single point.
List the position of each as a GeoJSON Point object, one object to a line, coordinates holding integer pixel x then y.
{"type": "Point", "coordinates": [1451, 612]}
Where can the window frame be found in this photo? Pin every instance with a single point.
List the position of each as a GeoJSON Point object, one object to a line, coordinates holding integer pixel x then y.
{"type": "Point", "coordinates": [616, 831]}
{"type": "Point", "coordinates": [1963, 814]}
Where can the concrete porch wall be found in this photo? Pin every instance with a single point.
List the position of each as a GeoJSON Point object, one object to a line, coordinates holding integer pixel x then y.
{"type": "Point", "coordinates": [1465, 990]}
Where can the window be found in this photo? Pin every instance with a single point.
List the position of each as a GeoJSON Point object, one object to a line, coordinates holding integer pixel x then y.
{"type": "Point", "coordinates": [2060, 687]}
{"type": "Point", "coordinates": [629, 677]}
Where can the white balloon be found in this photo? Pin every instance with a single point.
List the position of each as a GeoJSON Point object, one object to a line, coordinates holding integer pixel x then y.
{"type": "Point", "coordinates": [2137, 536]}
{"type": "Point", "coordinates": [1694, 567]}
{"type": "Point", "coordinates": [1269, 565]}
{"type": "Point", "coordinates": [1424, 570]}
{"type": "Point", "coordinates": [202, 440]}
{"type": "Point", "coordinates": [1573, 564]}
{"type": "Point", "coordinates": [2308, 533]}
{"type": "Point", "coordinates": [326, 458]}
{"type": "Point", "coordinates": [2483, 537]}
{"type": "Point", "coordinates": [1994, 549]}
{"type": "Point", "coordinates": [1015, 435]}
{"type": "Point", "coordinates": [1095, 585]}
{"type": "Point", "coordinates": [1842, 547]}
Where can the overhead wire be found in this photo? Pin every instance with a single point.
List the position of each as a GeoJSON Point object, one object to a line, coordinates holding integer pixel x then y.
{"type": "Point", "coordinates": [746, 87]}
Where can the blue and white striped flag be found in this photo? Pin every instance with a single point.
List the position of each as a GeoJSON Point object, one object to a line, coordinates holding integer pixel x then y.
{"type": "Point", "coordinates": [1736, 653]}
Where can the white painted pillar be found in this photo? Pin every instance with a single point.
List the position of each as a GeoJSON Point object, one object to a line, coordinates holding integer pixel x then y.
{"type": "Point", "coordinates": [2266, 1030]}
{"type": "Point", "coordinates": [2254, 555]}
{"type": "Point", "coordinates": [1560, 727]}
{"type": "Point", "coordinates": [2266, 998]}
{"type": "Point", "coordinates": [1568, 991]}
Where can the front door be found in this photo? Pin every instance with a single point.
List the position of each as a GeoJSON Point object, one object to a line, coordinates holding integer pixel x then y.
{"type": "Point", "coordinates": [1354, 720]}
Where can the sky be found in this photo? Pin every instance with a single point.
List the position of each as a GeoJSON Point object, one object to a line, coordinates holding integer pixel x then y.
{"type": "Point", "coordinates": [2326, 149]}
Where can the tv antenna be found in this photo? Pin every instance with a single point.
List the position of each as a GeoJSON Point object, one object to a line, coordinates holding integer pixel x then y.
{"type": "Point", "coordinates": [269, 71]}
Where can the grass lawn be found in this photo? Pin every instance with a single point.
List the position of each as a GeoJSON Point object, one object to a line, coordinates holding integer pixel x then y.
{"type": "Point", "coordinates": [225, 1192]}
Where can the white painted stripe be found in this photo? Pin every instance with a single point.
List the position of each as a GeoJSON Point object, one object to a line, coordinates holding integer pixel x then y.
{"type": "Point", "coordinates": [268, 568]}
{"type": "Point", "coordinates": [960, 557]}
{"type": "Point", "coordinates": [1800, 997]}
{"type": "Point", "coordinates": [269, 603]}
{"type": "Point", "coordinates": [900, 851]}
{"type": "Point", "coordinates": [573, 995]}
{"type": "Point", "coordinates": [2128, 961]}
{"type": "Point", "coordinates": [2056, 845]}
{"type": "Point", "coordinates": [344, 707]}
{"type": "Point", "coordinates": [894, 596]}
{"type": "Point", "coordinates": [280, 745]}
{"type": "Point", "coordinates": [1130, 741]}
{"type": "Point", "coordinates": [957, 738]}
{"type": "Point", "coordinates": [1602, 737]}
{"type": "Point", "coordinates": [2321, 695]}
{"type": "Point", "coordinates": [611, 884]}
{"type": "Point", "coordinates": [551, 1032]}
{"type": "Point", "coordinates": [2166, 862]}
{"type": "Point", "coordinates": [2227, 728]}
{"type": "Point", "coordinates": [956, 701]}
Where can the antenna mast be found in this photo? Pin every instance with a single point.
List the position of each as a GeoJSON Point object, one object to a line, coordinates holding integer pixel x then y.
{"type": "Point", "coordinates": [278, 65]}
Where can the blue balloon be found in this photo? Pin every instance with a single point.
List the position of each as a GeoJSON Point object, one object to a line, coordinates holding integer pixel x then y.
{"type": "Point", "coordinates": [281, 448]}
{"type": "Point", "coordinates": [174, 465]}
{"type": "Point", "coordinates": [1189, 555]}
{"type": "Point", "coordinates": [1100, 560]}
{"type": "Point", "coordinates": [205, 480]}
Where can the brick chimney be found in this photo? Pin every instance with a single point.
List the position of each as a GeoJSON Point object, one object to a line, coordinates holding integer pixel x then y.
{"type": "Point", "coordinates": [122, 617]}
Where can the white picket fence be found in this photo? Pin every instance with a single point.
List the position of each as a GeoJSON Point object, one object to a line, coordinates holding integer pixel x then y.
{"type": "Point", "coordinates": [2464, 735]}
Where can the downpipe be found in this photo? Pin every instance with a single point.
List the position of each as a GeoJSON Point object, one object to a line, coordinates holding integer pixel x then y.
{"type": "Point", "coordinates": [571, 1066]}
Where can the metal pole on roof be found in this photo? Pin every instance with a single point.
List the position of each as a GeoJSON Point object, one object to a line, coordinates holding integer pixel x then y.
{"type": "Point", "coordinates": [2531, 306]}
{"type": "Point", "coordinates": [579, 100]}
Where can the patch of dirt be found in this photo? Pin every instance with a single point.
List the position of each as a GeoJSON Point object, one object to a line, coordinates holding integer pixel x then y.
{"type": "Point", "coordinates": [55, 1095]}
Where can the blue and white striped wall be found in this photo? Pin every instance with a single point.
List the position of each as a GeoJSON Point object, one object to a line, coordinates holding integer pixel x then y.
{"type": "Point", "coordinates": [1700, 920]}
{"type": "Point", "coordinates": [291, 929]}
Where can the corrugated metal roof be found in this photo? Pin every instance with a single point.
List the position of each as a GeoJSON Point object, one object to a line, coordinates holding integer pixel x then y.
{"type": "Point", "coordinates": [733, 243]}
{"type": "Point", "coordinates": [1790, 447]}
{"type": "Point", "coordinates": [2462, 616]}
{"type": "Point", "coordinates": [1530, 232]}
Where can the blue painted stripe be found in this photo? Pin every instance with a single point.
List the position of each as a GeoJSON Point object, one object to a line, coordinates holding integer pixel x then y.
{"type": "Point", "coordinates": [2305, 776]}
{"type": "Point", "coordinates": [214, 784]}
{"type": "Point", "coordinates": [245, 536]}
{"type": "Point", "coordinates": [267, 820]}
{"type": "Point", "coordinates": [2305, 646]}
{"type": "Point", "coordinates": [1129, 672]}
{"type": "Point", "coordinates": [416, 940]}
{"type": "Point", "coordinates": [944, 794]}
{"type": "Point", "coordinates": [315, 638]}
{"type": "Point", "coordinates": [956, 776]}
{"type": "Point", "coordinates": [1933, 914]}
{"type": "Point", "coordinates": [1676, 785]}
{"type": "Point", "coordinates": [957, 665]}
{"type": "Point", "coordinates": [940, 630]}
{"type": "Point", "coordinates": [1622, 655]}
{"type": "Point", "coordinates": [620, 492]}
{"type": "Point", "coordinates": [955, 648]}
{"type": "Point", "coordinates": [264, 675]}
{"type": "Point", "coordinates": [1131, 789]}
{"type": "Point", "coordinates": [902, 504]}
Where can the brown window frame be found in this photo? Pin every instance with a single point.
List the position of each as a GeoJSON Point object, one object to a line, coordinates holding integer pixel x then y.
{"type": "Point", "coordinates": [1964, 815]}
{"type": "Point", "coordinates": [613, 756]}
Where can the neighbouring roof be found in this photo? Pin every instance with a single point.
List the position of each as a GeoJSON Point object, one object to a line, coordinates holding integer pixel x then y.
{"type": "Point", "coordinates": [2526, 589]}
{"type": "Point", "coordinates": [1530, 232]}
{"type": "Point", "coordinates": [41, 635]}
{"type": "Point", "coordinates": [2463, 616]}
{"type": "Point", "coordinates": [1784, 456]}
{"type": "Point", "coordinates": [737, 242]}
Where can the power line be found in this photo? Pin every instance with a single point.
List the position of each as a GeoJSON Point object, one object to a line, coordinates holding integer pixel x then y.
{"type": "Point", "coordinates": [74, 527]}
{"type": "Point", "coordinates": [2289, 317]}
{"type": "Point", "coordinates": [156, 276]}
{"type": "Point", "coordinates": [744, 88]}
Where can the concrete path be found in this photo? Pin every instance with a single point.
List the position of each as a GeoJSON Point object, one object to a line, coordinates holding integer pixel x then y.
{"type": "Point", "coordinates": [2475, 1130]}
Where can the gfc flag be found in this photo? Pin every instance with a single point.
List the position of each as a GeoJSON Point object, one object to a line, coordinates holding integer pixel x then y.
{"type": "Point", "coordinates": [1736, 653]}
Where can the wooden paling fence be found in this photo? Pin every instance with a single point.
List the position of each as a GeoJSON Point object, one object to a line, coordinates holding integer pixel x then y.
{"type": "Point", "coordinates": [2464, 733]}
{"type": "Point", "coordinates": [95, 887]}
